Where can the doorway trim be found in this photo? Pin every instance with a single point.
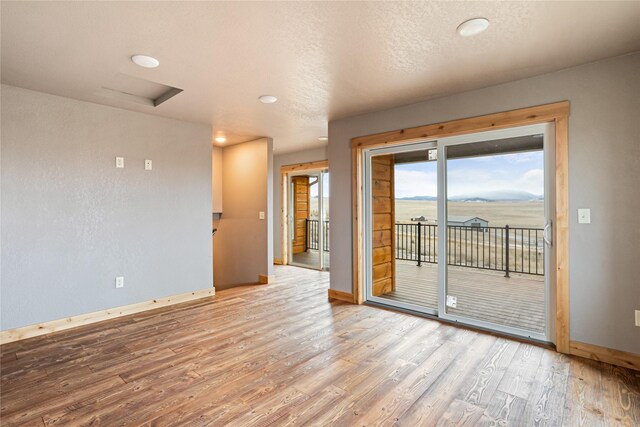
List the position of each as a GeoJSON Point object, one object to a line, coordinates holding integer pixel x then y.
{"type": "Point", "coordinates": [285, 172]}
{"type": "Point", "coordinates": [558, 113]}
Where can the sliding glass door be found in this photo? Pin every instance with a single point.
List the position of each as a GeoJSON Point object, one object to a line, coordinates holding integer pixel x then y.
{"type": "Point", "coordinates": [309, 220]}
{"type": "Point", "coordinates": [459, 228]}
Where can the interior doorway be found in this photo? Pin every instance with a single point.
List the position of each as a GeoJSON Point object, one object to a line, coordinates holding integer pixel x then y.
{"type": "Point", "coordinates": [460, 228]}
{"type": "Point", "coordinates": [308, 219]}
{"type": "Point", "coordinates": [305, 217]}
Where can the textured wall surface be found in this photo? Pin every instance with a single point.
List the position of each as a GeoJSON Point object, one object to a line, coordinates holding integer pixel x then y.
{"type": "Point", "coordinates": [241, 245]}
{"type": "Point", "coordinates": [604, 175]}
{"type": "Point", "coordinates": [279, 161]}
{"type": "Point", "coordinates": [72, 222]}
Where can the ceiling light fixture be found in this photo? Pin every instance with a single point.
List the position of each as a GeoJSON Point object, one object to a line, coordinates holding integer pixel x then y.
{"type": "Point", "coordinates": [268, 99]}
{"type": "Point", "coordinates": [323, 138]}
{"type": "Point", "coordinates": [221, 139]}
{"type": "Point", "coordinates": [145, 61]}
{"type": "Point", "coordinates": [473, 27]}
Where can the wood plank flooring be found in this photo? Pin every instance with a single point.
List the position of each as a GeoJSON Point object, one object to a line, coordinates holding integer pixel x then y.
{"type": "Point", "coordinates": [281, 354]}
{"type": "Point", "coordinates": [516, 301]}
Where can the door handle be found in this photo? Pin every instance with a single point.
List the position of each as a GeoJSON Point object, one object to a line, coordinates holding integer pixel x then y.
{"type": "Point", "coordinates": [546, 235]}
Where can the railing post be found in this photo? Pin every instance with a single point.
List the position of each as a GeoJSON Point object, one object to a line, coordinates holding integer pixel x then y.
{"type": "Point", "coordinates": [306, 234]}
{"type": "Point", "coordinates": [419, 244]}
{"type": "Point", "coordinates": [506, 253]}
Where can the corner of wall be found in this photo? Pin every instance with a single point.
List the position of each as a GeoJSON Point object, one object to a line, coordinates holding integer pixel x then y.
{"type": "Point", "coordinates": [270, 208]}
{"type": "Point", "coordinates": [243, 240]}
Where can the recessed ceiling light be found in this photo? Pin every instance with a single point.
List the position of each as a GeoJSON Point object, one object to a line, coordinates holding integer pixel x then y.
{"type": "Point", "coordinates": [473, 27]}
{"type": "Point", "coordinates": [323, 138]}
{"type": "Point", "coordinates": [268, 99]}
{"type": "Point", "coordinates": [145, 61]}
{"type": "Point", "coordinates": [221, 139]}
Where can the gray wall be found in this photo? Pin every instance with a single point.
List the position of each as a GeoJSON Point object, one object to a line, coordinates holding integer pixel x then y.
{"type": "Point", "coordinates": [216, 179]}
{"type": "Point", "coordinates": [279, 161]}
{"type": "Point", "coordinates": [242, 243]}
{"type": "Point", "coordinates": [72, 222]}
{"type": "Point", "coordinates": [604, 175]}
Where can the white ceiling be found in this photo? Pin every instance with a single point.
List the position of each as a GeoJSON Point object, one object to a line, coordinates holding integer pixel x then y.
{"type": "Point", "coordinates": [324, 60]}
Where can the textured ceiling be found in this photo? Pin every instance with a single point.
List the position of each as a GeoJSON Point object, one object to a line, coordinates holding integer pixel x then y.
{"type": "Point", "coordinates": [324, 60]}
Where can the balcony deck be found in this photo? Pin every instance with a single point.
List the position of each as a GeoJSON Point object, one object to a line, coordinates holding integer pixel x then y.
{"type": "Point", "coordinates": [310, 258]}
{"type": "Point", "coordinates": [516, 301]}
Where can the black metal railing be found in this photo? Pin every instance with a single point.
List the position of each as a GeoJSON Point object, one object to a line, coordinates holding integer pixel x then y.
{"type": "Point", "coordinates": [508, 249]}
{"type": "Point", "coordinates": [313, 232]}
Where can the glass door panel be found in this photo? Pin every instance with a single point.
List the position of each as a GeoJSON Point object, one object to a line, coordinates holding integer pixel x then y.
{"type": "Point", "coordinates": [324, 233]}
{"type": "Point", "coordinates": [495, 234]}
{"type": "Point", "coordinates": [305, 221]}
{"type": "Point", "coordinates": [401, 223]}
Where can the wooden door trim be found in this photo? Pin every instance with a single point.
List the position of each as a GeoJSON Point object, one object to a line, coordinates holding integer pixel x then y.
{"type": "Point", "coordinates": [557, 113]}
{"type": "Point", "coordinates": [285, 172]}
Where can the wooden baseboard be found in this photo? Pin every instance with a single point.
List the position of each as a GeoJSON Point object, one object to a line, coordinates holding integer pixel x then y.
{"type": "Point", "coordinates": [265, 279]}
{"type": "Point", "coordinates": [17, 334]}
{"type": "Point", "coordinates": [604, 354]}
{"type": "Point", "coordinates": [278, 261]}
{"type": "Point", "coordinates": [340, 295]}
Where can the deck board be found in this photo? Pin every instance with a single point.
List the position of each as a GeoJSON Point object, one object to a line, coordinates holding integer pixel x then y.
{"type": "Point", "coordinates": [516, 301]}
{"type": "Point", "coordinates": [311, 258]}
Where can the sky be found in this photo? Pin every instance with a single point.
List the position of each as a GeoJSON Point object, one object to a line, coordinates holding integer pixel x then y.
{"type": "Point", "coordinates": [325, 186]}
{"type": "Point", "coordinates": [473, 176]}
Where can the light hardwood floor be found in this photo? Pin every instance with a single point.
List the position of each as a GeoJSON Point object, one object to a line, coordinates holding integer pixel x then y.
{"type": "Point", "coordinates": [281, 354]}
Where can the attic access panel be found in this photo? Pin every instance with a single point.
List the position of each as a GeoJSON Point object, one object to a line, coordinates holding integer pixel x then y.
{"type": "Point", "coordinates": [140, 91]}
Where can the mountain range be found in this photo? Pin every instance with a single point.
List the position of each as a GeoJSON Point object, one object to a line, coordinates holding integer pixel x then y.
{"type": "Point", "coordinates": [487, 196]}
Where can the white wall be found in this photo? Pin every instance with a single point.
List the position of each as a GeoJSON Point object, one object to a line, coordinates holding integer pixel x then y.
{"type": "Point", "coordinates": [280, 160]}
{"type": "Point", "coordinates": [604, 175]}
{"type": "Point", "coordinates": [72, 222]}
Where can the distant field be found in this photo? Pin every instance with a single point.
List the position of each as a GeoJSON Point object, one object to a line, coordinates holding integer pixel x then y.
{"type": "Point", "coordinates": [499, 214]}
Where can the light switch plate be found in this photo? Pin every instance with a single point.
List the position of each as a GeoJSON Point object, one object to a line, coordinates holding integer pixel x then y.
{"type": "Point", "coordinates": [148, 165]}
{"type": "Point", "coordinates": [261, 215]}
{"type": "Point", "coordinates": [637, 317]}
{"type": "Point", "coordinates": [120, 162]}
{"type": "Point", "coordinates": [584, 216]}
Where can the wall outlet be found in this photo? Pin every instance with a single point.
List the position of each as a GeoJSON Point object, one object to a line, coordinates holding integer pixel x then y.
{"type": "Point", "coordinates": [637, 317]}
{"type": "Point", "coordinates": [148, 165]}
{"type": "Point", "coordinates": [584, 216]}
{"type": "Point", "coordinates": [120, 282]}
{"type": "Point", "coordinates": [120, 162]}
{"type": "Point", "coordinates": [261, 215]}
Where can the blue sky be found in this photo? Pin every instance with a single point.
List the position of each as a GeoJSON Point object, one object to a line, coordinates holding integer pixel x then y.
{"type": "Point", "coordinates": [314, 188]}
{"type": "Point", "coordinates": [472, 176]}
